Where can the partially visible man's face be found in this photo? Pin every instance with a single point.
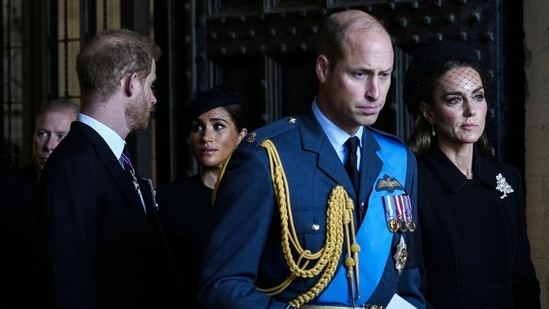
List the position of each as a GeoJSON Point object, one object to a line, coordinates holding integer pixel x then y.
{"type": "Point", "coordinates": [51, 128]}
{"type": "Point", "coordinates": [139, 110]}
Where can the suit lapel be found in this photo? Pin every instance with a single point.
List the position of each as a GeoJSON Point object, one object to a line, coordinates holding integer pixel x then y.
{"type": "Point", "coordinates": [315, 140]}
{"type": "Point", "coordinates": [370, 163]}
{"type": "Point", "coordinates": [119, 176]}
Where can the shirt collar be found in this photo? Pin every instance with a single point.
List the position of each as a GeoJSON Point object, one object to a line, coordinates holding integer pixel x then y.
{"type": "Point", "coordinates": [335, 134]}
{"type": "Point", "coordinates": [113, 140]}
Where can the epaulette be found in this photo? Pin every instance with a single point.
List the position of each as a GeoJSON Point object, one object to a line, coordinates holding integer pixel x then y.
{"type": "Point", "coordinates": [254, 138]}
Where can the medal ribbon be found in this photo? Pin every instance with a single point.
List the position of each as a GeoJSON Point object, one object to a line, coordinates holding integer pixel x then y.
{"type": "Point", "coordinates": [388, 202]}
{"type": "Point", "coordinates": [373, 236]}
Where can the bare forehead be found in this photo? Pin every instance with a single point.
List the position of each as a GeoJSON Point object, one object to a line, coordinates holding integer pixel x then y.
{"type": "Point", "coordinates": [56, 115]}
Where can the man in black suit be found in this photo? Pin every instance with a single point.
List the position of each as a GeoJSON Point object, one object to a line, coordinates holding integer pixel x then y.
{"type": "Point", "coordinates": [19, 287]}
{"type": "Point", "coordinates": [102, 238]}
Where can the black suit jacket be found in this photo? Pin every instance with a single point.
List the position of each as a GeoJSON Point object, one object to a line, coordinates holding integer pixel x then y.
{"type": "Point", "coordinates": [104, 252]}
{"type": "Point", "coordinates": [19, 260]}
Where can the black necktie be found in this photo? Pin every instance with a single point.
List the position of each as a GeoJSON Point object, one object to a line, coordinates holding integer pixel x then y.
{"type": "Point", "coordinates": [351, 163]}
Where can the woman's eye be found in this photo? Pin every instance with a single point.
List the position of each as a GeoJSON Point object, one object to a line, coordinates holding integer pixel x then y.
{"type": "Point", "coordinates": [454, 100]}
{"type": "Point", "coordinates": [479, 97]}
{"type": "Point", "coordinates": [197, 128]}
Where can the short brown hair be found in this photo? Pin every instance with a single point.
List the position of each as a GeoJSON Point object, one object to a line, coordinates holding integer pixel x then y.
{"type": "Point", "coordinates": [110, 55]}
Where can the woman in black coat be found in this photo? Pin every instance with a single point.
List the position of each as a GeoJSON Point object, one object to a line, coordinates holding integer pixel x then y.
{"type": "Point", "coordinates": [216, 121]}
{"type": "Point", "coordinates": [476, 249]}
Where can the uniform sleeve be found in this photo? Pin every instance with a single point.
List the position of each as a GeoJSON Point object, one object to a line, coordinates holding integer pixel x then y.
{"type": "Point", "coordinates": [243, 211]}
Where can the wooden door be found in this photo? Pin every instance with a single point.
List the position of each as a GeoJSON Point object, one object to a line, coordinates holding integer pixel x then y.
{"type": "Point", "coordinates": [266, 49]}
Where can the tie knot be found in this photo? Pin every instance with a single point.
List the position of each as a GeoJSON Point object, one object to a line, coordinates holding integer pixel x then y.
{"type": "Point", "coordinates": [351, 144]}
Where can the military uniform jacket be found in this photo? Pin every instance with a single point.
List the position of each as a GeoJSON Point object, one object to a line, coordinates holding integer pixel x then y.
{"type": "Point", "coordinates": [476, 251]}
{"type": "Point", "coordinates": [245, 248]}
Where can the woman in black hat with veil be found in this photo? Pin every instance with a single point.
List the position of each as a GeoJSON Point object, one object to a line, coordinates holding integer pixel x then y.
{"type": "Point", "coordinates": [216, 123]}
{"type": "Point", "coordinates": [476, 250]}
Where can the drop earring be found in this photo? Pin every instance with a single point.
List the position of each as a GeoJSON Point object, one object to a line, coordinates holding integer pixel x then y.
{"type": "Point", "coordinates": [433, 133]}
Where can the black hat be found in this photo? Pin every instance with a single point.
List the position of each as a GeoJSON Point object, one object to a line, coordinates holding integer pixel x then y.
{"type": "Point", "coordinates": [428, 61]}
{"type": "Point", "coordinates": [220, 95]}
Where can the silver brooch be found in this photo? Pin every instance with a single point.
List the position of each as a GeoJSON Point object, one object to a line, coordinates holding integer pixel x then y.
{"type": "Point", "coordinates": [503, 186]}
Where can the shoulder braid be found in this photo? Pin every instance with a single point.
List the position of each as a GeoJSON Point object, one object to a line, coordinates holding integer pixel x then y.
{"type": "Point", "coordinates": [339, 221]}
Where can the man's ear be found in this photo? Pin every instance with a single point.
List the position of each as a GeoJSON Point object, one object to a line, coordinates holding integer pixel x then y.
{"type": "Point", "coordinates": [322, 68]}
{"type": "Point", "coordinates": [130, 84]}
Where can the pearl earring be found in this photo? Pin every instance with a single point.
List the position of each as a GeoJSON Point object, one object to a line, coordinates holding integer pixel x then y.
{"type": "Point", "coordinates": [433, 133]}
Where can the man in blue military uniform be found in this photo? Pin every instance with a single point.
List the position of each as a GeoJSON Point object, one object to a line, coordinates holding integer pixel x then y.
{"type": "Point", "coordinates": [291, 229]}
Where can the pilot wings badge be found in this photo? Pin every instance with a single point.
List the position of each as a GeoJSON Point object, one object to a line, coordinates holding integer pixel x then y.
{"type": "Point", "coordinates": [387, 183]}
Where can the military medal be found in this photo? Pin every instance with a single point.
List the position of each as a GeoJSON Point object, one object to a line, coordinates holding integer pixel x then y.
{"type": "Point", "coordinates": [393, 225]}
{"type": "Point", "coordinates": [398, 213]}
{"type": "Point", "coordinates": [401, 255]}
{"type": "Point", "coordinates": [401, 214]}
{"type": "Point", "coordinates": [410, 224]}
{"type": "Point", "coordinates": [389, 203]}
{"type": "Point", "coordinates": [402, 226]}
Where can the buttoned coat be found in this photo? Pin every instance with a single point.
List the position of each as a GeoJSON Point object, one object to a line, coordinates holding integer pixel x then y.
{"type": "Point", "coordinates": [245, 249]}
{"type": "Point", "coordinates": [103, 251]}
{"type": "Point", "coordinates": [476, 249]}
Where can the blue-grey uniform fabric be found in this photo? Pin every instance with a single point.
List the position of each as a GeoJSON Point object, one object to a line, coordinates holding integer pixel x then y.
{"type": "Point", "coordinates": [245, 249]}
